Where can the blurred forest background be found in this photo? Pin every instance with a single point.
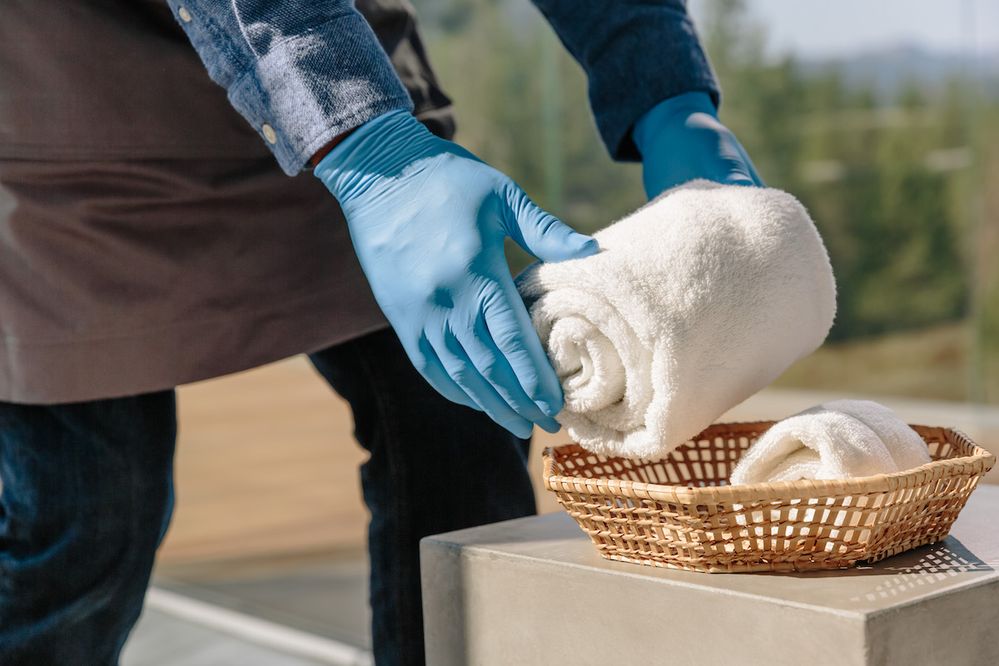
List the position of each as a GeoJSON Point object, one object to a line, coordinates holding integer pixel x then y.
{"type": "Point", "coordinates": [895, 153]}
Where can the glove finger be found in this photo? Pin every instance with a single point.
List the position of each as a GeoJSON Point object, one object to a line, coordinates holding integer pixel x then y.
{"type": "Point", "coordinates": [493, 366]}
{"type": "Point", "coordinates": [511, 329]}
{"type": "Point", "coordinates": [752, 167]}
{"type": "Point", "coordinates": [464, 373]}
{"type": "Point", "coordinates": [734, 165]}
{"type": "Point", "coordinates": [540, 233]}
{"type": "Point", "coordinates": [429, 365]}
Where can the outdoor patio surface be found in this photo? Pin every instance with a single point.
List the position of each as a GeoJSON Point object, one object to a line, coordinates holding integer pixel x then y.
{"type": "Point", "coordinates": [270, 523]}
{"type": "Point", "coordinates": [161, 639]}
{"type": "Point", "coordinates": [322, 596]}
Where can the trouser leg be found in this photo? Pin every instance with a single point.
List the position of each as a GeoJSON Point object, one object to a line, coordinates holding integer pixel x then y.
{"type": "Point", "coordinates": [87, 492]}
{"type": "Point", "coordinates": [434, 466]}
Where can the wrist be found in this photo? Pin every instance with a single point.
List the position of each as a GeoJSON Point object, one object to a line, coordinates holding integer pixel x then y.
{"type": "Point", "coordinates": [325, 150]}
{"type": "Point", "coordinates": [383, 146]}
{"type": "Point", "coordinates": [667, 113]}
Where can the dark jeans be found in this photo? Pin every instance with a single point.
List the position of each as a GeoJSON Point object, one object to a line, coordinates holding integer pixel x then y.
{"type": "Point", "coordinates": [87, 495]}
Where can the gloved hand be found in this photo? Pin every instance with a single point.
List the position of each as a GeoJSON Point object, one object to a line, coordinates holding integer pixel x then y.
{"type": "Point", "coordinates": [428, 220]}
{"type": "Point", "coordinates": [681, 139]}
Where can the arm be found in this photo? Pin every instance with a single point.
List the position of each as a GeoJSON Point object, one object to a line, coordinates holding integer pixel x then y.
{"type": "Point", "coordinates": [427, 218]}
{"type": "Point", "coordinates": [652, 91]}
{"type": "Point", "coordinates": [635, 53]}
{"type": "Point", "coordinates": [302, 72]}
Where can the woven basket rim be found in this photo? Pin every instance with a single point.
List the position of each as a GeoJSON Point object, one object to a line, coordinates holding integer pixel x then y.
{"type": "Point", "coordinates": [980, 461]}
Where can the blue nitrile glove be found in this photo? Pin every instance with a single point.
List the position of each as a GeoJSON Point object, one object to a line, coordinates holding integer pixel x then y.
{"type": "Point", "coordinates": [428, 220]}
{"type": "Point", "coordinates": [681, 139]}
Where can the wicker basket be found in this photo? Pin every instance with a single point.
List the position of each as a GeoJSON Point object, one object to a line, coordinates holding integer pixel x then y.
{"type": "Point", "coordinates": [679, 512]}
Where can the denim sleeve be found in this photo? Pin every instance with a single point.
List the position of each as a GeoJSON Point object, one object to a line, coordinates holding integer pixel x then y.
{"type": "Point", "coordinates": [300, 71]}
{"type": "Point", "coordinates": [636, 53]}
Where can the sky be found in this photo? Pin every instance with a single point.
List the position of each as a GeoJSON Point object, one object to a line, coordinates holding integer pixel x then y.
{"type": "Point", "coordinates": [827, 29]}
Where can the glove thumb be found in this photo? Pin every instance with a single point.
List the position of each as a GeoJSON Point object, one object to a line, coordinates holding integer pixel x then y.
{"type": "Point", "coordinates": [542, 234]}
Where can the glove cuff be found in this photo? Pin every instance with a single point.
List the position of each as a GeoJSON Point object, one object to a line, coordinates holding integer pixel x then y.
{"type": "Point", "coordinates": [669, 111]}
{"type": "Point", "coordinates": [382, 147]}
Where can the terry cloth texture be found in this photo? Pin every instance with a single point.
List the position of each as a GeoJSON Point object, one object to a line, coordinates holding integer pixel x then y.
{"type": "Point", "coordinates": [695, 302]}
{"type": "Point", "coordinates": [835, 440]}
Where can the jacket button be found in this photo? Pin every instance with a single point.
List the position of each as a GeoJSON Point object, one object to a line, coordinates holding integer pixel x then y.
{"type": "Point", "coordinates": [185, 15]}
{"type": "Point", "coordinates": [269, 134]}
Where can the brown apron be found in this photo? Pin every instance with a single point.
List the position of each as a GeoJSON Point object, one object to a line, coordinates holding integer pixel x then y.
{"type": "Point", "coordinates": [147, 237]}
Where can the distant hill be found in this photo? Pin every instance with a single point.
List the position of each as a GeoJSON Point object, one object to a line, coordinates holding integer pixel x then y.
{"type": "Point", "coordinates": [887, 70]}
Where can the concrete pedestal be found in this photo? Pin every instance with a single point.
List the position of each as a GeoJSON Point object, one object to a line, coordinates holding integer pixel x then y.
{"type": "Point", "coordinates": [534, 592]}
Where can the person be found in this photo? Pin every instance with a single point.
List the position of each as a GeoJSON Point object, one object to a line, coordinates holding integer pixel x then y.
{"type": "Point", "coordinates": [153, 240]}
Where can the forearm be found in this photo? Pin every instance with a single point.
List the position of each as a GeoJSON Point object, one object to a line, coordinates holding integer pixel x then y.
{"type": "Point", "coordinates": [636, 53]}
{"type": "Point", "coordinates": [302, 72]}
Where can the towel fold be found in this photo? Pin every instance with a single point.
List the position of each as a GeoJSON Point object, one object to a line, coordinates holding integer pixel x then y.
{"type": "Point", "coordinates": [841, 439]}
{"type": "Point", "coordinates": [695, 302]}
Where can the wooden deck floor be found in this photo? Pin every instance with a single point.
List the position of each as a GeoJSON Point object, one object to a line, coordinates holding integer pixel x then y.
{"type": "Point", "coordinates": [267, 466]}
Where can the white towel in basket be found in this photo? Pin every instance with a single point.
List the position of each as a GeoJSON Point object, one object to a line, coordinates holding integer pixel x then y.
{"type": "Point", "coordinates": [835, 440]}
{"type": "Point", "coordinates": [695, 302]}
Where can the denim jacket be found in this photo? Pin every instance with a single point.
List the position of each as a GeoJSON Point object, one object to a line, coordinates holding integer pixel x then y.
{"type": "Point", "coordinates": [304, 71]}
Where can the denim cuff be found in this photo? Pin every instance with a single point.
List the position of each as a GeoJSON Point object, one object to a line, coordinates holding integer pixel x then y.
{"type": "Point", "coordinates": [313, 86]}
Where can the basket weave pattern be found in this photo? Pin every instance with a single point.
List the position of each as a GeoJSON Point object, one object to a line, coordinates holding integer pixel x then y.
{"type": "Point", "coordinates": [679, 512]}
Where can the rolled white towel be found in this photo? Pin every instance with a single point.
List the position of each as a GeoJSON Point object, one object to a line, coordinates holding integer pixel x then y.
{"type": "Point", "coordinates": [835, 440]}
{"type": "Point", "coordinates": [695, 302]}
